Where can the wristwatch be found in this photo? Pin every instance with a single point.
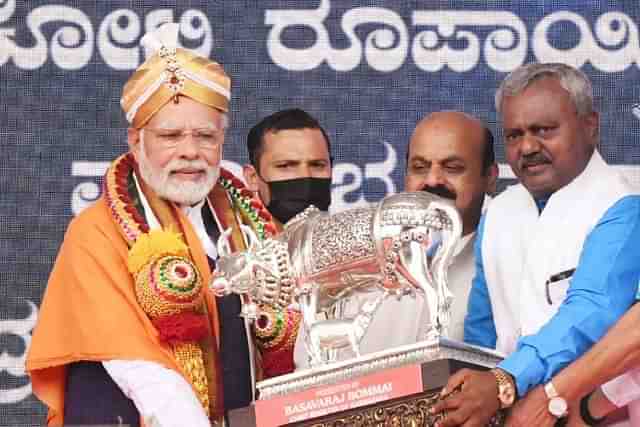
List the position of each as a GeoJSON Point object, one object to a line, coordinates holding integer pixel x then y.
{"type": "Point", "coordinates": [557, 405]}
{"type": "Point", "coordinates": [506, 388]}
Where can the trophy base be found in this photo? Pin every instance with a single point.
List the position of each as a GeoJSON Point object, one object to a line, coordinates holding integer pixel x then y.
{"type": "Point", "coordinates": [411, 411]}
{"type": "Point", "coordinates": [392, 387]}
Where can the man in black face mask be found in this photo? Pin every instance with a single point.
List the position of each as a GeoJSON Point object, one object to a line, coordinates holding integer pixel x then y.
{"type": "Point", "coordinates": [290, 163]}
{"type": "Point", "coordinates": [290, 169]}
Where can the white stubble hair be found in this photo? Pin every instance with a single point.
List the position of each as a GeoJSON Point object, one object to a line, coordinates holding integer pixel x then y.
{"type": "Point", "coordinates": [178, 191]}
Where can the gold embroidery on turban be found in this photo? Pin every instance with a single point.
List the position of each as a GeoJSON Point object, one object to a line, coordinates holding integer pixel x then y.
{"type": "Point", "coordinates": [171, 72]}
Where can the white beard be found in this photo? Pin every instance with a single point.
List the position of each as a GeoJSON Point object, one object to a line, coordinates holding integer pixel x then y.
{"type": "Point", "coordinates": [176, 190]}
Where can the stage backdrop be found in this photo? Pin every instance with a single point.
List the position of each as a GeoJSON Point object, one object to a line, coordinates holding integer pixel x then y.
{"type": "Point", "coordinates": [368, 70]}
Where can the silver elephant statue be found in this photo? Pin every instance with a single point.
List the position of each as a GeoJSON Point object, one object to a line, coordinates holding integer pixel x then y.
{"type": "Point", "coordinates": [400, 245]}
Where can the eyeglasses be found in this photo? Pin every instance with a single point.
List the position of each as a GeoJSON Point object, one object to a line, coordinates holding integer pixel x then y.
{"type": "Point", "coordinates": [205, 138]}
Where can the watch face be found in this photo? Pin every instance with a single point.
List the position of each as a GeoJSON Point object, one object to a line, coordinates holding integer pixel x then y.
{"type": "Point", "coordinates": [558, 407]}
{"type": "Point", "coordinates": [506, 389]}
{"type": "Point", "coordinates": [507, 396]}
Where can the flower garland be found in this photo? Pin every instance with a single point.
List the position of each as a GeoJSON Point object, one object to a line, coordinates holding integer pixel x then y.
{"type": "Point", "coordinates": [167, 282]}
{"type": "Point", "coordinates": [275, 330]}
{"type": "Point", "coordinates": [249, 204]}
{"type": "Point", "coordinates": [122, 208]}
{"type": "Point", "coordinates": [168, 285]}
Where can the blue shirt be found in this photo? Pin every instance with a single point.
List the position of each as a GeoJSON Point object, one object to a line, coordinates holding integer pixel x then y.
{"type": "Point", "coordinates": [602, 288]}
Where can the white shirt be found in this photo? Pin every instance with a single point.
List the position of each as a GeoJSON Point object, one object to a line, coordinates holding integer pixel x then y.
{"type": "Point", "coordinates": [194, 214]}
{"type": "Point", "coordinates": [159, 394]}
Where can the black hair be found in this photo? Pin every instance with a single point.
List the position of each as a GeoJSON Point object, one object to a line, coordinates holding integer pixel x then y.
{"type": "Point", "coordinates": [488, 155]}
{"type": "Point", "coordinates": [293, 118]}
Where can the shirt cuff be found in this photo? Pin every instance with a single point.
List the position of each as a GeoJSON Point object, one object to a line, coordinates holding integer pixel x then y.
{"type": "Point", "coordinates": [624, 389]}
{"type": "Point", "coordinates": [525, 367]}
{"type": "Point", "coordinates": [162, 396]}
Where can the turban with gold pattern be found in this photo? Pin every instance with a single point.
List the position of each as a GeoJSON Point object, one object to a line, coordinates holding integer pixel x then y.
{"type": "Point", "coordinates": [171, 71]}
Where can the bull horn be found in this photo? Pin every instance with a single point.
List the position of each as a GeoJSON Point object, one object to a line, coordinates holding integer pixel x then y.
{"type": "Point", "coordinates": [219, 286]}
{"type": "Point", "coordinates": [223, 246]}
{"type": "Point", "coordinates": [250, 236]}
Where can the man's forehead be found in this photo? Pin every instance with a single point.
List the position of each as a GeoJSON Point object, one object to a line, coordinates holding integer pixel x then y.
{"type": "Point", "coordinates": [434, 148]}
{"type": "Point", "coordinates": [187, 113]}
{"type": "Point", "coordinates": [543, 96]}
{"type": "Point", "coordinates": [295, 134]}
{"type": "Point", "coordinates": [295, 144]}
{"type": "Point", "coordinates": [178, 123]}
{"type": "Point", "coordinates": [438, 157]}
{"type": "Point", "coordinates": [298, 156]}
{"type": "Point", "coordinates": [525, 121]}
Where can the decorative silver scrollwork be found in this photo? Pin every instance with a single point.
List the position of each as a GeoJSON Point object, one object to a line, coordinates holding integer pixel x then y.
{"type": "Point", "coordinates": [402, 244]}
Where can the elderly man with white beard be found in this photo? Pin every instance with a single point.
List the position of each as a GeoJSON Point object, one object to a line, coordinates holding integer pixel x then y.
{"type": "Point", "coordinates": [127, 331]}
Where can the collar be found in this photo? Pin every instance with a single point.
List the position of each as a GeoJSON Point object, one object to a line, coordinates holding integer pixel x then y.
{"type": "Point", "coordinates": [152, 221]}
{"type": "Point", "coordinates": [193, 214]}
{"type": "Point", "coordinates": [593, 168]}
{"type": "Point", "coordinates": [191, 210]}
{"type": "Point", "coordinates": [463, 242]}
{"type": "Point", "coordinates": [541, 203]}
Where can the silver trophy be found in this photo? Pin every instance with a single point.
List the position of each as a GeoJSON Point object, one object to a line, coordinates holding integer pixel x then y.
{"type": "Point", "coordinates": [401, 245]}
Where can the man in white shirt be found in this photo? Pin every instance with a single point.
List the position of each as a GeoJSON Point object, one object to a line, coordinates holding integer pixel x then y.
{"type": "Point", "coordinates": [557, 256]}
{"type": "Point", "coordinates": [451, 155]}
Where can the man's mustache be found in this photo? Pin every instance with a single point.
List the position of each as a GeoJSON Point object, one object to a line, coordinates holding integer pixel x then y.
{"type": "Point", "coordinates": [440, 190]}
{"type": "Point", "coordinates": [178, 164]}
{"type": "Point", "coordinates": [533, 159]}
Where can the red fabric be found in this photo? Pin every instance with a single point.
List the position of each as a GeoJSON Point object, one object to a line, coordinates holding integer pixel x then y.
{"type": "Point", "coordinates": [265, 215]}
{"type": "Point", "coordinates": [181, 327]}
{"type": "Point", "coordinates": [277, 362]}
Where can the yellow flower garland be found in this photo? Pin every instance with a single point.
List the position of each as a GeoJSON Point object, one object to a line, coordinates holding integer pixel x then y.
{"type": "Point", "coordinates": [155, 244]}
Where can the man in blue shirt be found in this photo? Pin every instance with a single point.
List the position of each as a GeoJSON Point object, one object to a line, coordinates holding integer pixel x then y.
{"type": "Point", "coordinates": [557, 256]}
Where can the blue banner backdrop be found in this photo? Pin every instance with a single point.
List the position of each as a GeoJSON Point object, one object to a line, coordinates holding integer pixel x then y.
{"type": "Point", "coordinates": [368, 70]}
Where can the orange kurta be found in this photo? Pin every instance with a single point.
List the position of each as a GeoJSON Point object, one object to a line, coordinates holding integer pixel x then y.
{"type": "Point", "coordinates": [90, 312]}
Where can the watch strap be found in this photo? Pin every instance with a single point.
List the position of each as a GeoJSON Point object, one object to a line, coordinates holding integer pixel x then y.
{"type": "Point", "coordinates": [505, 381]}
{"type": "Point", "coordinates": [585, 414]}
{"type": "Point", "coordinates": [550, 390]}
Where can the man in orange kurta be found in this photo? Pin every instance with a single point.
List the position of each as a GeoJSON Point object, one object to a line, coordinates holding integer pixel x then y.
{"type": "Point", "coordinates": [128, 292]}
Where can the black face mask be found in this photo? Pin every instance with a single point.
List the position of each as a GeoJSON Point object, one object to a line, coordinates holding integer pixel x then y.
{"type": "Point", "coordinates": [289, 197]}
{"type": "Point", "coordinates": [440, 190]}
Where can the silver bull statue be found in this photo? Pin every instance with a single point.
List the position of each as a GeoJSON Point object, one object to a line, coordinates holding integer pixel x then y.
{"type": "Point", "coordinates": [403, 244]}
